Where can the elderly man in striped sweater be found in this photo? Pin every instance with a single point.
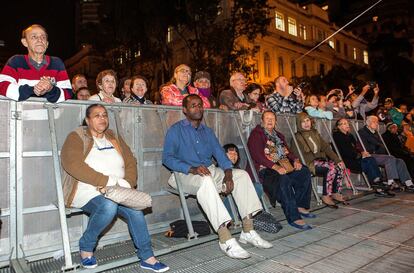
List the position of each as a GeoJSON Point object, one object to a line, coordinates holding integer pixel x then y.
{"type": "Point", "coordinates": [35, 74]}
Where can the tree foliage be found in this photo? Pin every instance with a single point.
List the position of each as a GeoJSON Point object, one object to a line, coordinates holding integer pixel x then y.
{"type": "Point", "coordinates": [219, 39]}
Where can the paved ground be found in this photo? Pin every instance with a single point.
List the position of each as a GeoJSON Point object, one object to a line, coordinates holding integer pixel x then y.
{"type": "Point", "coordinates": [371, 235]}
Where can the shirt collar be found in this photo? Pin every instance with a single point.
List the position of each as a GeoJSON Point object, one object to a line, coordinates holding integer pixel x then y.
{"type": "Point", "coordinates": [36, 64]}
{"type": "Point", "coordinates": [186, 122]}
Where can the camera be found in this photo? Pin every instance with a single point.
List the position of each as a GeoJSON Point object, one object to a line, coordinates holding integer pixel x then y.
{"type": "Point", "coordinates": [372, 84]}
{"type": "Point", "coordinates": [302, 85]}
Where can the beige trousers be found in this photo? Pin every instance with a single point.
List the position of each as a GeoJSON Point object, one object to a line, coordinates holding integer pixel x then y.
{"type": "Point", "coordinates": [208, 188]}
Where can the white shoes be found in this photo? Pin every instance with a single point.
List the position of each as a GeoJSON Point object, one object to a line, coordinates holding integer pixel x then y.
{"type": "Point", "coordinates": [234, 250]}
{"type": "Point", "coordinates": [254, 238]}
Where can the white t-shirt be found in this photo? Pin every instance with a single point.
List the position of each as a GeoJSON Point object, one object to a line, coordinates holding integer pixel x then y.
{"type": "Point", "coordinates": [100, 96]}
{"type": "Point", "coordinates": [103, 158]}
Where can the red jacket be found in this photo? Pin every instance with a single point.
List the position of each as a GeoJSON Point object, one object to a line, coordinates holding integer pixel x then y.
{"type": "Point", "coordinates": [171, 95]}
{"type": "Point", "coordinates": [257, 144]}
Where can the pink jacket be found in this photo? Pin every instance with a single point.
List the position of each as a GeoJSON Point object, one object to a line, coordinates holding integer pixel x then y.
{"type": "Point", "coordinates": [171, 95]}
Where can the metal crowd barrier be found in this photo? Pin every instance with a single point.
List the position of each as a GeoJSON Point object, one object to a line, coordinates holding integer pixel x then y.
{"type": "Point", "coordinates": [33, 132]}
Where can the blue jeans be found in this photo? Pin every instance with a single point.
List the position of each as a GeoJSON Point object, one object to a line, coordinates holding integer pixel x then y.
{"type": "Point", "coordinates": [101, 213]}
{"type": "Point", "coordinates": [291, 190]}
{"type": "Point", "coordinates": [259, 190]}
{"type": "Point", "coordinates": [370, 167]}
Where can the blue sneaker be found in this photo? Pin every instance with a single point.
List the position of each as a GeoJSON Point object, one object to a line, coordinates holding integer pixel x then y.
{"type": "Point", "coordinates": [157, 267]}
{"type": "Point", "coordinates": [307, 215]}
{"type": "Point", "coordinates": [89, 262]}
{"type": "Point", "coordinates": [302, 227]}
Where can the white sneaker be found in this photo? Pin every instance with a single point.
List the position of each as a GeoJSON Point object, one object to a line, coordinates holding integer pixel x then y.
{"type": "Point", "coordinates": [254, 238]}
{"type": "Point", "coordinates": [234, 250]}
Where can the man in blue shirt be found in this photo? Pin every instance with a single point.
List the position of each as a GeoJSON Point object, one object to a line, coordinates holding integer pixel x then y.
{"type": "Point", "coordinates": [188, 150]}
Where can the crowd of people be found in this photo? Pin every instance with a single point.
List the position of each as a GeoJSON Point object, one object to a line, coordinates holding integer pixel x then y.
{"type": "Point", "coordinates": [191, 149]}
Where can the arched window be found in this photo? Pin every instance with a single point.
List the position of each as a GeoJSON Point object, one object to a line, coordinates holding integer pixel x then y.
{"type": "Point", "coordinates": [281, 68]}
{"type": "Point", "coordinates": [266, 61]}
{"type": "Point", "coordinates": [293, 68]}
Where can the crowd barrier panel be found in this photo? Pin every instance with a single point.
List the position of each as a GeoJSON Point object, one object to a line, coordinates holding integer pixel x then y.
{"type": "Point", "coordinates": [30, 223]}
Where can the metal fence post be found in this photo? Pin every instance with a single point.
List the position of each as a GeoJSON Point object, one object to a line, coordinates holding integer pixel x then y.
{"type": "Point", "coordinates": [58, 180]}
{"type": "Point", "coordinates": [339, 155]}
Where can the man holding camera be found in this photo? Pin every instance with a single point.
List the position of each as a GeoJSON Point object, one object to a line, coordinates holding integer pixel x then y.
{"type": "Point", "coordinates": [359, 103]}
{"type": "Point", "coordinates": [35, 74]}
{"type": "Point", "coordinates": [285, 99]}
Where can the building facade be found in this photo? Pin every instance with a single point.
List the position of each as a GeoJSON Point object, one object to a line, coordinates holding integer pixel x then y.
{"type": "Point", "coordinates": [293, 32]}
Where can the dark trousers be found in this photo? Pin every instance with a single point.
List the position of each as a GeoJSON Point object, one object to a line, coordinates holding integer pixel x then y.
{"type": "Point", "coordinates": [291, 190]}
{"type": "Point", "coordinates": [370, 167]}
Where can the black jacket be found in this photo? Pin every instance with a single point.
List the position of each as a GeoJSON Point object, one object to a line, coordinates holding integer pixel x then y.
{"type": "Point", "coordinates": [372, 141]}
{"type": "Point", "coordinates": [347, 146]}
{"type": "Point", "coordinates": [395, 146]}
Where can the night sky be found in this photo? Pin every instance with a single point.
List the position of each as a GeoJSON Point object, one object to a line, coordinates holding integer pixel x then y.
{"type": "Point", "coordinates": [58, 17]}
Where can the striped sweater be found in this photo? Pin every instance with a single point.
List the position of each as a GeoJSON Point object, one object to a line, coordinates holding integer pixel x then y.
{"type": "Point", "coordinates": [18, 78]}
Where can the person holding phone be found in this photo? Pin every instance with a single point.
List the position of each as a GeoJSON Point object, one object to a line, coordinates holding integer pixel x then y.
{"type": "Point", "coordinates": [285, 98]}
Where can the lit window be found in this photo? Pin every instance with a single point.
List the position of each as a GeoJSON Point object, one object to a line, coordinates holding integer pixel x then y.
{"type": "Point", "coordinates": [266, 65]}
{"type": "Point", "coordinates": [280, 21]}
{"type": "Point", "coordinates": [326, 7]}
{"type": "Point", "coordinates": [169, 34]}
{"type": "Point", "coordinates": [292, 26]}
{"type": "Point", "coordinates": [302, 32]}
{"type": "Point", "coordinates": [355, 53]}
{"type": "Point", "coordinates": [365, 57]}
{"type": "Point", "coordinates": [375, 19]}
{"type": "Point", "coordinates": [332, 44]}
{"type": "Point", "coordinates": [320, 35]}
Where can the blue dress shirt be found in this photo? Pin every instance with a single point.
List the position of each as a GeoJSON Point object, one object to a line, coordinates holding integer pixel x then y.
{"type": "Point", "coordinates": [186, 147]}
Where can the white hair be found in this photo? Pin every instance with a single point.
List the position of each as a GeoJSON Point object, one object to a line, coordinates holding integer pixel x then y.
{"type": "Point", "coordinates": [370, 118]}
{"type": "Point", "coordinates": [233, 76]}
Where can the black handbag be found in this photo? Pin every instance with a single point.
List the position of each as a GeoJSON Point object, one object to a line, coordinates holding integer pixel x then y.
{"type": "Point", "coordinates": [179, 229]}
{"type": "Point", "coordinates": [266, 222]}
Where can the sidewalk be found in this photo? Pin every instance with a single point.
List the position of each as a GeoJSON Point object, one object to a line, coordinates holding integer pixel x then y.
{"type": "Point", "coordinates": [372, 235]}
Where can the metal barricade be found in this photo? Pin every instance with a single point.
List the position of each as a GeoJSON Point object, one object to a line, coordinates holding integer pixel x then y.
{"type": "Point", "coordinates": [31, 138]}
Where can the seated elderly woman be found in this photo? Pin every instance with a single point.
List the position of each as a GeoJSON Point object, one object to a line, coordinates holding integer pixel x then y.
{"type": "Point", "coordinates": [291, 187]}
{"type": "Point", "coordinates": [139, 88]}
{"type": "Point", "coordinates": [95, 158]}
{"type": "Point", "coordinates": [174, 92]}
{"type": "Point", "coordinates": [321, 160]}
{"type": "Point", "coordinates": [106, 84]}
{"type": "Point", "coordinates": [355, 158]}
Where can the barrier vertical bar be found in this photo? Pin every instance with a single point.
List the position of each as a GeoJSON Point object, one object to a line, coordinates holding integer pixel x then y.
{"type": "Point", "coordinates": [19, 182]}
{"type": "Point", "coordinates": [13, 180]}
{"type": "Point", "coordinates": [363, 147]}
{"type": "Point", "coordinates": [315, 192]}
{"type": "Point", "coordinates": [339, 155]}
{"type": "Point", "coordinates": [58, 180]}
{"type": "Point", "coordinates": [246, 149]}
